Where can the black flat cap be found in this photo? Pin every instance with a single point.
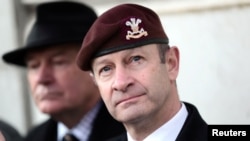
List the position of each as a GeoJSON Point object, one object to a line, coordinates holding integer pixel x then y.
{"type": "Point", "coordinates": [56, 23]}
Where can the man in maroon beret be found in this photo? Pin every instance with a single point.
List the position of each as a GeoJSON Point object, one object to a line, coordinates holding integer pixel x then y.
{"type": "Point", "coordinates": [135, 69]}
{"type": "Point", "coordinates": [59, 88]}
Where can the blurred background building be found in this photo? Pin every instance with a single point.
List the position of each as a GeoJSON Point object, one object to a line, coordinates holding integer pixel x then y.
{"type": "Point", "coordinates": [214, 41]}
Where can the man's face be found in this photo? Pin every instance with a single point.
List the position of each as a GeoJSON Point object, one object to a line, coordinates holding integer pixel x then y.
{"type": "Point", "coordinates": [134, 84]}
{"type": "Point", "coordinates": [56, 83]}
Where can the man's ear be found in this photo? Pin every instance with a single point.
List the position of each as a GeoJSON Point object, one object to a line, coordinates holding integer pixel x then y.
{"type": "Point", "coordinates": [172, 57]}
{"type": "Point", "coordinates": [92, 76]}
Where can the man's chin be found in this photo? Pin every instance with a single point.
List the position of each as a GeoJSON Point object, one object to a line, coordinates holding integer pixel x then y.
{"type": "Point", "coordinates": [50, 109]}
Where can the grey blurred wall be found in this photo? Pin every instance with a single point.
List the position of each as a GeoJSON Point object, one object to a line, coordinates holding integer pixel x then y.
{"type": "Point", "coordinates": [213, 38]}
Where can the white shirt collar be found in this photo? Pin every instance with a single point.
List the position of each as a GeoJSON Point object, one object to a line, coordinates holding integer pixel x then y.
{"type": "Point", "coordinates": [83, 129]}
{"type": "Point", "coordinates": [170, 130]}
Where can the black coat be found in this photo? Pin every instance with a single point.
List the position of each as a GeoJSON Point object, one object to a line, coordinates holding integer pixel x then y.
{"type": "Point", "coordinates": [104, 127]}
{"type": "Point", "coordinates": [194, 128]}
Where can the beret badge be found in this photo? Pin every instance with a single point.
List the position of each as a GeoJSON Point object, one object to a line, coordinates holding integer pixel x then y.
{"type": "Point", "coordinates": [135, 32]}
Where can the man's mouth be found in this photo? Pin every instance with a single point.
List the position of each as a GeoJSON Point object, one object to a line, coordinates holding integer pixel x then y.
{"type": "Point", "coordinates": [129, 99]}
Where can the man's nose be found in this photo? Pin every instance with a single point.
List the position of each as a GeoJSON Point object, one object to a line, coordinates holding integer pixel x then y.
{"type": "Point", "coordinates": [45, 74]}
{"type": "Point", "coordinates": [122, 80]}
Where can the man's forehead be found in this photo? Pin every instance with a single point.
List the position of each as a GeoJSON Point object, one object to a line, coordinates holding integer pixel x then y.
{"type": "Point", "coordinates": [52, 51]}
{"type": "Point", "coordinates": [140, 50]}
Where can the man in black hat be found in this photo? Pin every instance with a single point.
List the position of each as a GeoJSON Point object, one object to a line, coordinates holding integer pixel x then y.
{"type": "Point", "coordinates": [59, 88]}
{"type": "Point", "coordinates": [135, 70]}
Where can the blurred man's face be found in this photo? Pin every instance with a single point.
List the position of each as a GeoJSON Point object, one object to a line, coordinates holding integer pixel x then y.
{"type": "Point", "coordinates": [57, 84]}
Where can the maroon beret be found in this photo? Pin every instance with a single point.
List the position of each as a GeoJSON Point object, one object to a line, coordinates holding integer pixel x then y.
{"type": "Point", "coordinates": [122, 27]}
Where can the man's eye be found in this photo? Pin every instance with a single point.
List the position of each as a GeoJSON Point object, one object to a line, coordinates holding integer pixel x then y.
{"type": "Point", "coordinates": [32, 65]}
{"type": "Point", "coordinates": [136, 58]}
{"type": "Point", "coordinates": [105, 69]}
{"type": "Point", "coordinates": [60, 61]}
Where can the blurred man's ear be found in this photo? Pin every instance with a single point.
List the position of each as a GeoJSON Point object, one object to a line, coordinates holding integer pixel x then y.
{"type": "Point", "coordinates": [172, 61]}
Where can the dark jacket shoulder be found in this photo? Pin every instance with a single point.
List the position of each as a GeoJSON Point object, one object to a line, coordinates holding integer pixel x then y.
{"type": "Point", "coordinates": [9, 132]}
{"type": "Point", "coordinates": [121, 137]}
{"type": "Point", "coordinates": [104, 127]}
{"type": "Point", "coordinates": [46, 131]}
{"type": "Point", "coordinates": [194, 128]}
